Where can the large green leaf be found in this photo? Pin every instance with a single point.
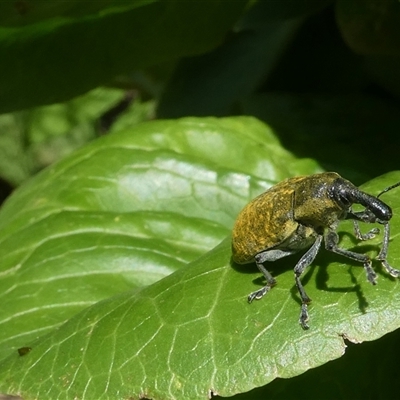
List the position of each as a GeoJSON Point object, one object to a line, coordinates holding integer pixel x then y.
{"type": "Point", "coordinates": [124, 212]}
{"type": "Point", "coordinates": [193, 334]}
{"type": "Point", "coordinates": [55, 52]}
{"type": "Point", "coordinates": [129, 209]}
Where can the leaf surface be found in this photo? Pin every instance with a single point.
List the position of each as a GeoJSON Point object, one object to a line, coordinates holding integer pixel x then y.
{"type": "Point", "coordinates": [124, 212]}
{"type": "Point", "coordinates": [81, 241]}
{"type": "Point", "coordinates": [193, 334]}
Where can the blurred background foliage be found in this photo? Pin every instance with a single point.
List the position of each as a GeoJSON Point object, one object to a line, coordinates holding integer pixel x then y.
{"type": "Point", "coordinates": [318, 72]}
{"type": "Point", "coordinates": [323, 74]}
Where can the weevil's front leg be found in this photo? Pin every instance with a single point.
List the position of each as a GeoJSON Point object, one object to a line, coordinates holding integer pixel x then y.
{"type": "Point", "coordinates": [363, 216]}
{"type": "Point", "coordinates": [366, 216]}
{"type": "Point", "coordinates": [304, 262]}
{"type": "Point", "coordinates": [382, 256]}
{"type": "Point", "coordinates": [364, 236]}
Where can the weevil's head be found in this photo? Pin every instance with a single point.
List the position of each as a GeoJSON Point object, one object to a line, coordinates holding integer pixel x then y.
{"type": "Point", "coordinates": [346, 194]}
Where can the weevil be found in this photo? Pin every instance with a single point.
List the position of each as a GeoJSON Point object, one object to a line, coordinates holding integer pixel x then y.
{"type": "Point", "coordinates": [300, 213]}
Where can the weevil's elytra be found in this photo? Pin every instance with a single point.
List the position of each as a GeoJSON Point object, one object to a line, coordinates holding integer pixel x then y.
{"type": "Point", "coordinates": [299, 214]}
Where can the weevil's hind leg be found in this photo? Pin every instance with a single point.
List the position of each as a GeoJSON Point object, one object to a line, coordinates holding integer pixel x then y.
{"type": "Point", "coordinates": [258, 294]}
{"type": "Point", "coordinates": [382, 256]}
{"type": "Point", "coordinates": [260, 259]}
{"type": "Point", "coordinates": [364, 236]}
{"type": "Point", "coordinates": [304, 262]}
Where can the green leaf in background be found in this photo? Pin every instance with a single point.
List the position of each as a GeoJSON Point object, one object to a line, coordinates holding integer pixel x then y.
{"type": "Point", "coordinates": [125, 211]}
{"type": "Point", "coordinates": [33, 139]}
{"type": "Point", "coordinates": [370, 26]}
{"type": "Point", "coordinates": [64, 50]}
{"type": "Point", "coordinates": [33, 11]}
{"type": "Point", "coordinates": [193, 334]}
{"type": "Point", "coordinates": [213, 83]}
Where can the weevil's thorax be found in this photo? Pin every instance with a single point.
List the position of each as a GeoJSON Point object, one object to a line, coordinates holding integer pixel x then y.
{"type": "Point", "coordinates": [314, 204]}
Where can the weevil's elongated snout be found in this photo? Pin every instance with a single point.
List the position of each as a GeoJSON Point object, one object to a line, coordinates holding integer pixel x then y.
{"type": "Point", "coordinates": [381, 210]}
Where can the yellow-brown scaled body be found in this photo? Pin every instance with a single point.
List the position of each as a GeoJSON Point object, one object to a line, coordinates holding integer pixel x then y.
{"type": "Point", "coordinates": [273, 217]}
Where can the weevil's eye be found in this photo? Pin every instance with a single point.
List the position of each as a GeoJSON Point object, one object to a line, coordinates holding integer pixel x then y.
{"type": "Point", "coordinates": [342, 197]}
{"type": "Point", "coordinates": [342, 194]}
{"type": "Point", "coordinates": [344, 200]}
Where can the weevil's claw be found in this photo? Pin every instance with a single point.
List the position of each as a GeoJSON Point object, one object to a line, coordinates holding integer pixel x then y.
{"type": "Point", "coordinates": [258, 294]}
{"type": "Point", "coordinates": [392, 271]}
{"type": "Point", "coordinates": [369, 235]}
{"type": "Point", "coordinates": [304, 318]}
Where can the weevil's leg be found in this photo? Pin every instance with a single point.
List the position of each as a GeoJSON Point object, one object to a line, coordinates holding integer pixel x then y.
{"type": "Point", "coordinates": [382, 256]}
{"type": "Point", "coordinates": [364, 236]}
{"type": "Point", "coordinates": [364, 216]}
{"type": "Point", "coordinates": [303, 263]}
{"type": "Point", "coordinates": [331, 244]}
{"type": "Point", "coordinates": [385, 243]}
{"type": "Point", "coordinates": [260, 258]}
{"type": "Point", "coordinates": [258, 294]}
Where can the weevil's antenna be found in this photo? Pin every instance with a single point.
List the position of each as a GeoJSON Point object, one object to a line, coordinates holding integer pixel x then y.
{"type": "Point", "coordinates": [389, 188]}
